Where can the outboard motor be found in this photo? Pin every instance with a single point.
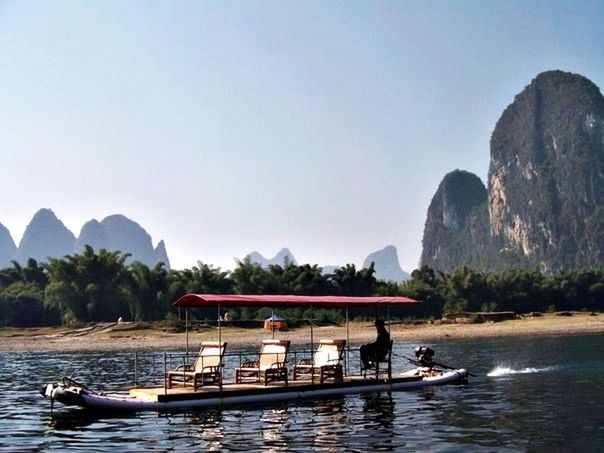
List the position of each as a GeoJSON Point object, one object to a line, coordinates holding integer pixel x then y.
{"type": "Point", "coordinates": [424, 356]}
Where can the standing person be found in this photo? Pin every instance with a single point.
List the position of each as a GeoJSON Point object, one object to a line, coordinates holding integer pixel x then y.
{"type": "Point", "coordinates": [378, 349]}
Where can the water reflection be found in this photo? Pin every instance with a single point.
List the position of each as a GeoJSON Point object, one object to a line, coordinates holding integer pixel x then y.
{"type": "Point", "coordinates": [377, 428]}
{"type": "Point", "coordinates": [274, 423]}
{"type": "Point", "coordinates": [379, 408]}
{"type": "Point", "coordinates": [334, 405]}
{"type": "Point", "coordinates": [71, 420]}
{"type": "Point", "coordinates": [516, 412]}
{"type": "Point", "coordinates": [210, 430]}
{"type": "Point", "coordinates": [330, 418]}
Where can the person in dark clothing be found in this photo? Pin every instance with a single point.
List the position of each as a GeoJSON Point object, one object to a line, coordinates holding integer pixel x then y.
{"type": "Point", "coordinates": [379, 348]}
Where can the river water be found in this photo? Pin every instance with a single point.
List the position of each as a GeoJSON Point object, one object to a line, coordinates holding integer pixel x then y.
{"type": "Point", "coordinates": [532, 394]}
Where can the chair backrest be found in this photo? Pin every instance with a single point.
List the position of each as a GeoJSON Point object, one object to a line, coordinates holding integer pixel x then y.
{"type": "Point", "coordinates": [210, 354]}
{"type": "Point", "coordinates": [329, 352]}
{"type": "Point", "coordinates": [272, 352]}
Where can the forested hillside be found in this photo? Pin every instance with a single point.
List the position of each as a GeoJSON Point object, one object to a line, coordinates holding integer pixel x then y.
{"type": "Point", "coordinates": [95, 287]}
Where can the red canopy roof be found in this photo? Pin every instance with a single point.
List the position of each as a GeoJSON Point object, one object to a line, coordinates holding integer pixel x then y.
{"type": "Point", "coordinates": [243, 300]}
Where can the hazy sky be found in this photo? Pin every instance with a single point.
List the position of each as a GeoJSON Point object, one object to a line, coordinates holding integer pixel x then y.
{"type": "Point", "coordinates": [224, 127]}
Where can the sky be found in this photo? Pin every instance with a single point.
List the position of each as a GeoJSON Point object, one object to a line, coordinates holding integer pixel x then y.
{"type": "Point", "coordinates": [224, 127]}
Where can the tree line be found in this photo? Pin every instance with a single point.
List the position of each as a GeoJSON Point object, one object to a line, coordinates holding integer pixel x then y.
{"type": "Point", "coordinates": [100, 287]}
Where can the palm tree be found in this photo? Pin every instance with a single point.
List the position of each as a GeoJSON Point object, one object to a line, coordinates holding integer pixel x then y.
{"type": "Point", "coordinates": [11, 275]}
{"type": "Point", "coordinates": [303, 279]}
{"type": "Point", "coordinates": [89, 287]}
{"type": "Point", "coordinates": [251, 278]}
{"type": "Point", "coordinates": [149, 288]}
{"type": "Point", "coordinates": [207, 279]}
{"type": "Point", "coordinates": [350, 282]}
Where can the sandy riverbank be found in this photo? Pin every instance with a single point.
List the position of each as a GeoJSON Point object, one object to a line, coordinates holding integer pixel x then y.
{"type": "Point", "coordinates": [124, 337]}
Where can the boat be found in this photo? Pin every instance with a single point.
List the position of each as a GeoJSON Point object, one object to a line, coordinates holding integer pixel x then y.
{"type": "Point", "coordinates": [334, 377]}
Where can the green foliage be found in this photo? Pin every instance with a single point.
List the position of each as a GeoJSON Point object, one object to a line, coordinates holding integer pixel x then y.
{"type": "Point", "coordinates": [207, 279]}
{"type": "Point", "coordinates": [172, 321]}
{"type": "Point", "coordinates": [453, 305]}
{"type": "Point", "coordinates": [328, 315]}
{"type": "Point", "coordinates": [22, 305]}
{"type": "Point", "coordinates": [424, 286]}
{"type": "Point", "coordinates": [234, 314]}
{"type": "Point", "coordinates": [251, 278]}
{"type": "Point", "coordinates": [32, 272]}
{"type": "Point", "coordinates": [148, 291]}
{"type": "Point", "coordinates": [488, 307]}
{"type": "Point", "coordinates": [347, 281]}
{"type": "Point", "coordinates": [91, 287]}
{"type": "Point", "coordinates": [22, 302]}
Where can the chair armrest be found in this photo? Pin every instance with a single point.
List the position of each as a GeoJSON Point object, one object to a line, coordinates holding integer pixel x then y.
{"type": "Point", "coordinates": [184, 368]}
{"type": "Point", "coordinates": [250, 364]}
{"type": "Point", "coordinates": [305, 362]}
{"type": "Point", "coordinates": [278, 365]}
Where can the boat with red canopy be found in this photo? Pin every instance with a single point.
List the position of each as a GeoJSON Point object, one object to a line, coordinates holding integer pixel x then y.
{"type": "Point", "coordinates": [270, 378]}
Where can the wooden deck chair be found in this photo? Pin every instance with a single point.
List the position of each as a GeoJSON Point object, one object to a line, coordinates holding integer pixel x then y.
{"type": "Point", "coordinates": [381, 363]}
{"type": "Point", "coordinates": [326, 363]}
{"type": "Point", "coordinates": [270, 366]}
{"type": "Point", "coordinates": [207, 369]}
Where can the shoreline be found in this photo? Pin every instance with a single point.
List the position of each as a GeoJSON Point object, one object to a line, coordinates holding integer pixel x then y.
{"type": "Point", "coordinates": [114, 337]}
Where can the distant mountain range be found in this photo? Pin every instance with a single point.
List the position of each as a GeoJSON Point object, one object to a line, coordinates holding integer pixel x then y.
{"type": "Point", "coordinates": [279, 258]}
{"type": "Point", "coordinates": [46, 236]}
{"type": "Point", "coordinates": [386, 266]}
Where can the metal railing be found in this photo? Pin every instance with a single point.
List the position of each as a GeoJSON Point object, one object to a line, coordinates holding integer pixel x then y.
{"type": "Point", "coordinates": [152, 368]}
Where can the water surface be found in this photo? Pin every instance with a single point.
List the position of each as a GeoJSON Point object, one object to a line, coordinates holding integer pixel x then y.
{"type": "Point", "coordinates": [532, 393]}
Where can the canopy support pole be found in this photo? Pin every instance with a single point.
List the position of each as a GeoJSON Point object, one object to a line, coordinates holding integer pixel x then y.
{"type": "Point", "coordinates": [273, 321]}
{"type": "Point", "coordinates": [388, 315]}
{"type": "Point", "coordinates": [187, 332]}
{"type": "Point", "coordinates": [347, 343]}
{"type": "Point", "coordinates": [219, 329]}
{"type": "Point", "coordinates": [312, 347]}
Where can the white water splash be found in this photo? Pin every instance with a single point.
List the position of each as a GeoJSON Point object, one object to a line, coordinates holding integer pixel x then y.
{"type": "Point", "coordinates": [506, 371]}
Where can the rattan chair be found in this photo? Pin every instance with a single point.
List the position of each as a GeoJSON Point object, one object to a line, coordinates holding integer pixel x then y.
{"type": "Point", "coordinates": [271, 364]}
{"type": "Point", "coordinates": [326, 362]}
{"type": "Point", "coordinates": [207, 369]}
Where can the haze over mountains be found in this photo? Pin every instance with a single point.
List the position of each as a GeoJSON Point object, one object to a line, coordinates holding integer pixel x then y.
{"type": "Point", "coordinates": [386, 261]}
{"type": "Point", "coordinates": [279, 258]}
{"type": "Point", "coordinates": [7, 245]}
{"type": "Point", "coordinates": [544, 204]}
{"type": "Point", "coordinates": [387, 266]}
{"type": "Point", "coordinates": [46, 236]}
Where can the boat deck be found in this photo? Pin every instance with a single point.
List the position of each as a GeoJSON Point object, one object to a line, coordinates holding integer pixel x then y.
{"type": "Point", "coordinates": [163, 394]}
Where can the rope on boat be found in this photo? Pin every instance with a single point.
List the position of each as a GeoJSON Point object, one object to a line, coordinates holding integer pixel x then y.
{"type": "Point", "coordinates": [67, 381]}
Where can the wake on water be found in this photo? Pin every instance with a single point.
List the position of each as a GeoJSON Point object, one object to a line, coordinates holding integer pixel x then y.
{"type": "Point", "coordinates": [506, 371]}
